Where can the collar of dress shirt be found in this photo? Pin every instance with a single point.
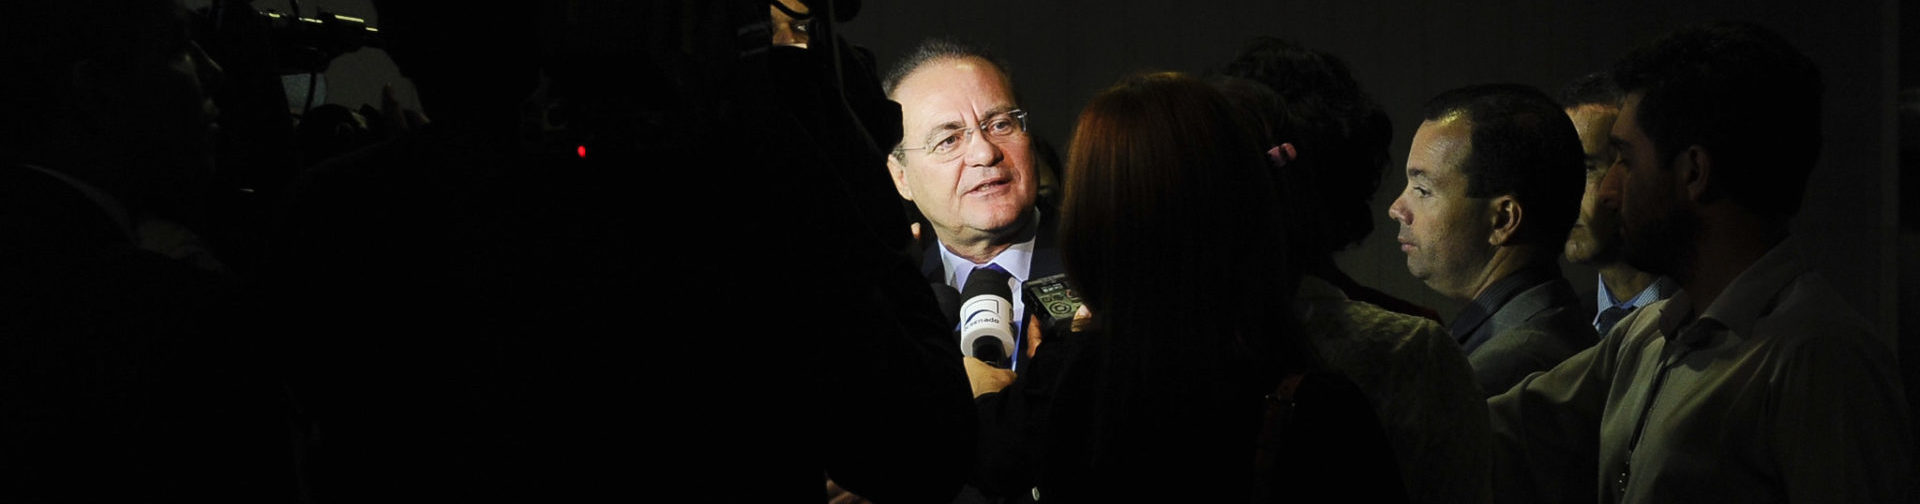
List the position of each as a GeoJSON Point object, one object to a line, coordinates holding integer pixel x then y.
{"type": "Point", "coordinates": [1661, 288]}
{"type": "Point", "coordinates": [1016, 259]}
{"type": "Point", "coordinates": [1744, 300]}
{"type": "Point", "coordinates": [1313, 288]}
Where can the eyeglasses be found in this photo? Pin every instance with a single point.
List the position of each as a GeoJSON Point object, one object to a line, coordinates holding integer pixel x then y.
{"type": "Point", "coordinates": [947, 145]}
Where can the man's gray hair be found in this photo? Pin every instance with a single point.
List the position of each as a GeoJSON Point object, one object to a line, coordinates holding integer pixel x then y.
{"type": "Point", "coordinates": [935, 49]}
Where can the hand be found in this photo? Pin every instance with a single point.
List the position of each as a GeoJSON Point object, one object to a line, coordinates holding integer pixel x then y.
{"type": "Point", "coordinates": [837, 495]}
{"type": "Point", "coordinates": [1082, 319]}
{"type": "Point", "coordinates": [985, 378]}
{"type": "Point", "coordinates": [1033, 334]}
{"type": "Point", "coordinates": [400, 121]}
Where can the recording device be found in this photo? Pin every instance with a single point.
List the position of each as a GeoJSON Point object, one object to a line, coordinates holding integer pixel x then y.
{"type": "Point", "coordinates": [1052, 300]}
{"type": "Point", "coordinates": [271, 64]}
{"type": "Point", "coordinates": [986, 317]}
{"type": "Point", "coordinates": [277, 58]}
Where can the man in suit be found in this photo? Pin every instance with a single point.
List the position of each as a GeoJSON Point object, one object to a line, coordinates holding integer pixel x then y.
{"type": "Point", "coordinates": [1493, 184]}
{"type": "Point", "coordinates": [966, 161]}
{"type": "Point", "coordinates": [1593, 102]}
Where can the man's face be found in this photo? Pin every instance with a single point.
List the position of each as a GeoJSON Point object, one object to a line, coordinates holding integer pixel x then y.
{"type": "Point", "coordinates": [1595, 235]}
{"type": "Point", "coordinates": [1657, 225]}
{"type": "Point", "coordinates": [983, 192]}
{"type": "Point", "coordinates": [786, 29]}
{"type": "Point", "coordinates": [1444, 233]}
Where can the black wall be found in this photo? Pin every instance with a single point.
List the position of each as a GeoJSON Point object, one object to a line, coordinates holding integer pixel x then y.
{"type": "Point", "coordinates": [1062, 52]}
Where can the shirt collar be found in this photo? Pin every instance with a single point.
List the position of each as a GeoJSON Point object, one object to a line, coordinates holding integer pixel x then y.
{"type": "Point", "coordinates": [1744, 300]}
{"type": "Point", "coordinates": [1016, 259]}
{"type": "Point", "coordinates": [1314, 293]}
{"type": "Point", "coordinates": [1661, 288]}
{"type": "Point", "coordinates": [1751, 294]}
{"type": "Point", "coordinates": [1314, 288]}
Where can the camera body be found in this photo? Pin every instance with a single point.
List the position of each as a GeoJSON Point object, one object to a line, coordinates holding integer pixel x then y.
{"type": "Point", "coordinates": [281, 43]}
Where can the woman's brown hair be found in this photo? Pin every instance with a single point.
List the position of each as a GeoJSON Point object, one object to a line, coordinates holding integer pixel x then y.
{"type": "Point", "coordinates": [1170, 230]}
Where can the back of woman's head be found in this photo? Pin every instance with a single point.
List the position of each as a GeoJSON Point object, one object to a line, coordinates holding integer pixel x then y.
{"type": "Point", "coordinates": [1169, 232]}
{"type": "Point", "coordinates": [1169, 229]}
{"type": "Point", "coordinates": [1342, 135]}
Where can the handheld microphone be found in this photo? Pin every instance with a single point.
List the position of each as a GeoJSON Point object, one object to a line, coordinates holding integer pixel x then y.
{"type": "Point", "coordinates": [986, 317]}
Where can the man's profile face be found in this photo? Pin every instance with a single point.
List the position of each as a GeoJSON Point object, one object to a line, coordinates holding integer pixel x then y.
{"type": "Point", "coordinates": [1444, 232]}
{"type": "Point", "coordinates": [1657, 227]}
{"type": "Point", "coordinates": [1596, 234]}
{"type": "Point", "coordinates": [984, 191]}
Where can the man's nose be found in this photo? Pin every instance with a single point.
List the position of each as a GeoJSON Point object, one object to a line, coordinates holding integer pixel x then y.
{"type": "Point", "coordinates": [981, 151]}
{"type": "Point", "coordinates": [1609, 190]}
{"type": "Point", "coordinates": [1398, 211]}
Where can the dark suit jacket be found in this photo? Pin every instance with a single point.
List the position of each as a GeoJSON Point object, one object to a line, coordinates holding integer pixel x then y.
{"type": "Point", "coordinates": [1529, 321]}
{"type": "Point", "coordinates": [1046, 257]}
{"type": "Point", "coordinates": [1046, 262]}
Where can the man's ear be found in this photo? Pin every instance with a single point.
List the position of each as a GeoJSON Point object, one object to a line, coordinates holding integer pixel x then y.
{"type": "Point", "coordinates": [1506, 214]}
{"type": "Point", "coordinates": [1693, 168]}
{"type": "Point", "coordinates": [899, 175]}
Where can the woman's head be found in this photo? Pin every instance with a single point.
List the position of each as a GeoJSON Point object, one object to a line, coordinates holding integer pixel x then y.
{"type": "Point", "coordinates": [1312, 101]}
{"type": "Point", "coordinates": [1171, 212]}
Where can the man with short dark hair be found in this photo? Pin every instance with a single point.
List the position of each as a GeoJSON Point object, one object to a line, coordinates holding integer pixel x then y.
{"type": "Point", "coordinates": [1754, 383]}
{"type": "Point", "coordinates": [1422, 389]}
{"type": "Point", "coordinates": [1492, 183]}
{"type": "Point", "coordinates": [1593, 102]}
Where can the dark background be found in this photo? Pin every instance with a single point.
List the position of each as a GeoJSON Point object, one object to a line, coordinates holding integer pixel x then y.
{"type": "Point", "coordinates": [1062, 52]}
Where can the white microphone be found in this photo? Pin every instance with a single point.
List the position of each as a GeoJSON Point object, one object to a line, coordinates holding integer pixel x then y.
{"type": "Point", "coordinates": [986, 317]}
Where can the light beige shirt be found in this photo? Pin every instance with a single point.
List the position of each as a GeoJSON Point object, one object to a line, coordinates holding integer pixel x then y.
{"type": "Point", "coordinates": [1776, 392]}
{"type": "Point", "coordinates": [1419, 384]}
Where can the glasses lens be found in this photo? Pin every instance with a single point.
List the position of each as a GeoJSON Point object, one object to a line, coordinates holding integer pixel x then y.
{"type": "Point", "coordinates": [947, 143]}
{"type": "Point", "coordinates": [951, 147]}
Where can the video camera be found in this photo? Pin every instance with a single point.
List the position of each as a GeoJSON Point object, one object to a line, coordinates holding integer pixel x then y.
{"type": "Point", "coordinates": [272, 64]}
{"type": "Point", "coordinates": [287, 43]}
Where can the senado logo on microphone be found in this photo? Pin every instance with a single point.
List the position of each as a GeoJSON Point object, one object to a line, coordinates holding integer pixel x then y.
{"type": "Point", "coordinates": [983, 310]}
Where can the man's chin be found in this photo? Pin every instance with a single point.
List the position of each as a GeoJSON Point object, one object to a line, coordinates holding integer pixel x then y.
{"type": "Point", "coordinates": [1005, 222]}
{"type": "Point", "coordinates": [1417, 273]}
{"type": "Point", "coordinates": [1581, 252]}
{"type": "Point", "coordinates": [1653, 257]}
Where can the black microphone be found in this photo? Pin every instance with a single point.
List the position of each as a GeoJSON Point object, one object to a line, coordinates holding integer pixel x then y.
{"type": "Point", "coordinates": [986, 317]}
